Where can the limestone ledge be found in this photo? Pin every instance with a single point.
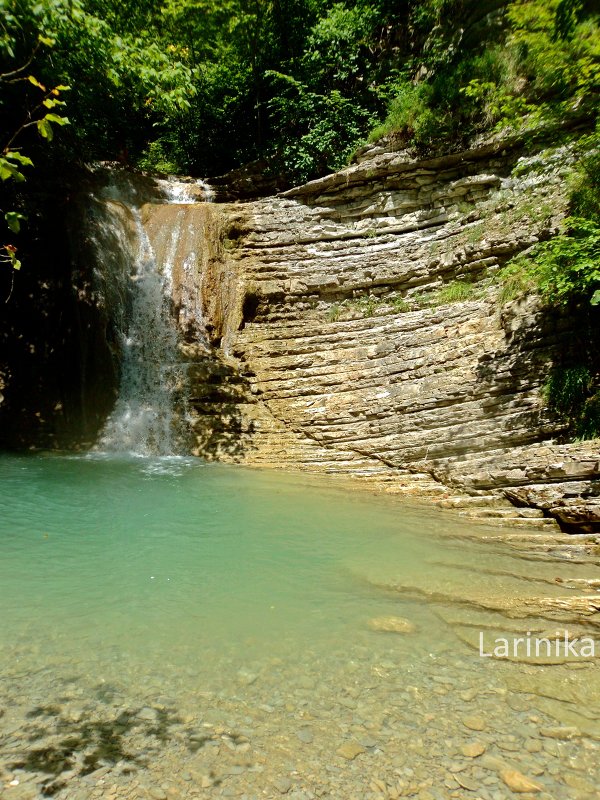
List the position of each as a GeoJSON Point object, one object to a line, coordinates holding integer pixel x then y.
{"type": "Point", "coordinates": [339, 358]}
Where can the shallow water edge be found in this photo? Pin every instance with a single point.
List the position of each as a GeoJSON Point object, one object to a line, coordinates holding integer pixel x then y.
{"type": "Point", "coordinates": [179, 629]}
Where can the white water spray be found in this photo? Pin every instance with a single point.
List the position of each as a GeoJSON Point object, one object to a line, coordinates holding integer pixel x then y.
{"type": "Point", "coordinates": [184, 193]}
{"type": "Point", "coordinates": [149, 415]}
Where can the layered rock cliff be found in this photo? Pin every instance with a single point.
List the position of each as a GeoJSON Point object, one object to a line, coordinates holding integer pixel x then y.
{"type": "Point", "coordinates": [352, 326]}
{"type": "Point", "coordinates": [357, 328]}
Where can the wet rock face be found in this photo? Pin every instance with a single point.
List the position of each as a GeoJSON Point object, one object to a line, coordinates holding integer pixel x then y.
{"type": "Point", "coordinates": [339, 315]}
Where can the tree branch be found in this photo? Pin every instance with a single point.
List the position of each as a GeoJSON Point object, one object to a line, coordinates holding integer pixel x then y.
{"type": "Point", "coordinates": [5, 76]}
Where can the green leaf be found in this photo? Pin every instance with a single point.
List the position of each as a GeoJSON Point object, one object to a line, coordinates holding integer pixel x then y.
{"type": "Point", "coordinates": [13, 220]}
{"type": "Point", "coordinates": [32, 79]}
{"type": "Point", "coordinates": [58, 120]}
{"type": "Point", "coordinates": [50, 103]}
{"type": "Point", "coordinates": [14, 155]}
{"type": "Point", "coordinates": [11, 253]}
{"type": "Point", "coordinates": [45, 129]}
{"type": "Point", "coordinates": [9, 171]}
{"type": "Point", "coordinates": [595, 299]}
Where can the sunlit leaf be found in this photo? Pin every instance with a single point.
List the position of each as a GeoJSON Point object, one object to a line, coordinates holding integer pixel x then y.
{"type": "Point", "coordinates": [10, 171]}
{"type": "Point", "coordinates": [33, 80]}
{"type": "Point", "coordinates": [45, 129]}
{"type": "Point", "coordinates": [56, 119]}
{"type": "Point", "coordinates": [14, 155]}
{"type": "Point", "coordinates": [11, 253]}
{"type": "Point", "coordinates": [13, 220]}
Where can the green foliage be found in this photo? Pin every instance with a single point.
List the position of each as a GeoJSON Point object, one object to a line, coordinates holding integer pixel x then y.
{"type": "Point", "coordinates": [546, 62]}
{"type": "Point", "coordinates": [8, 255]}
{"type": "Point", "coordinates": [406, 113]}
{"type": "Point", "coordinates": [44, 125]}
{"type": "Point", "coordinates": [500, 107]}
{"type": "Point", "coordinates": [556, 47]}
{"type": "Point", "coordinates": [442, 108]}
{"type": "Point", "coordinates": [38, 115]}
{"type": "Point", "coordinates": [566, 268]}
{"type": "Point", "coordinates": [321, 131]}
{"type": "Point", "coordinates": [126, 82]}
{"type": "Point", "coordinates": [399, 304]}
{"type": "Point", "coordinates": [13, 219]}
{"type": "Point", "coordinates": [568, 14]}
{"type": "Point", "coordinates": [156, 159]}
{"type": "Point", "coordinates": [336, 52]}
{"type": "Point", "coordinates": [364, 306]}
{"type": "Point", "coordinates": [569, 264]}
{"type": "Point", "coordinates": [516, 279]}
{"type": "Point", "coordinates": [203, 86]}
{"type": "Point", "coordinates": [457, 291]}
{"type": "Point", "coordinates": [572, 392]}
{"type": "Point", "coordinates": [334, 312]}
{"type": "Point", "coordinates": [585, 185]}
{"type": "Point", "coordinates": [11, 163]}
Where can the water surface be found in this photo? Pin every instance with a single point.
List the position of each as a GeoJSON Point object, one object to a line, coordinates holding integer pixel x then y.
{"type": "Point", "coordinates": [152, 604]}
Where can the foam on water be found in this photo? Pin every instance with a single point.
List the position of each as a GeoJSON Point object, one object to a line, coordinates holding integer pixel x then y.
{"type": "Point", "coordinates": [181, 192]}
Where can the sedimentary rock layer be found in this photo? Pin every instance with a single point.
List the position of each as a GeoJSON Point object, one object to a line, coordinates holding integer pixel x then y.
{"type": "Point", "coordinates": [359, 321]}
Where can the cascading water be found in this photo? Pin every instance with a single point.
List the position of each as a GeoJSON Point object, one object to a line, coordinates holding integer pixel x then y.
{"type": "Point", "coordinates": [143, 419]}
{"type": "Point", "coordinates": [184, 193]}
{"type": "Point", "coordinates": [149, 416]}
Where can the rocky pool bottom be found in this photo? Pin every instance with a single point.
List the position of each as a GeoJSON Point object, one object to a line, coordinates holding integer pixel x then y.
{"type": "Point", "coordinates": [173, 629]}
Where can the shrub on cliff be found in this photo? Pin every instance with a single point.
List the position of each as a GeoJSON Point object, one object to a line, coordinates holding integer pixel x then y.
{"type": "Point", "coordinates": [566, 268]}
{"type": "Point", "coordinates": [573, 393]}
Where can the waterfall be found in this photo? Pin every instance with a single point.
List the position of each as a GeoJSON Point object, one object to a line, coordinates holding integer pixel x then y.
{"type": "Point", "coordinates": [183, 193]}
{"type": "Point", "coordinates": [149, 415]}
